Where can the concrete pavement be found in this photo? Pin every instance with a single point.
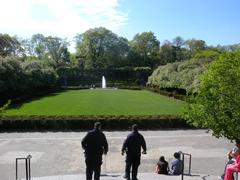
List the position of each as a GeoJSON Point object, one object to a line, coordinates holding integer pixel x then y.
{"type": "Point", "coordinates": [60, 154]}
{"type": "Point", "coordinates": [141, 176]}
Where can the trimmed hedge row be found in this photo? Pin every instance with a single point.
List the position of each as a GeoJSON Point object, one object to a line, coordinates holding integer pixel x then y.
{"type": "Point", "coordinates": [76, 123]}
{"type": "Point", "coordinates": [168, 92]}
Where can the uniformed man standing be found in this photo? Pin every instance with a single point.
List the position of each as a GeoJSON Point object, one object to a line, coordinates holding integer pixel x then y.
{"type": "Point", "coordinates": [132, 146]}
{"type": "Point", "coordinates": [94, 144]}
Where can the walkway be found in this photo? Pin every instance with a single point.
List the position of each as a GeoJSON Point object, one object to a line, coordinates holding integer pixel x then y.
{"type": "Point", "coordinates": [141, 176]}
{"type": "Point", "coordinates": [60, 153]}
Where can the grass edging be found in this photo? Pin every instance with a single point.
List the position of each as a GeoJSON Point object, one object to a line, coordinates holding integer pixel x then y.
{"type": "Point", "coordinates": [75, 123]}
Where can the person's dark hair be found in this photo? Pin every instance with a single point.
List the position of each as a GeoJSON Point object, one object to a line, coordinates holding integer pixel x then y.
{"type": "Point", "coordinates": [135, 127]}
{"type": "Point", "coordinates": [162, 159]}
{"type": "Point", "coordinates": [176, 155]}
{"type": "Point", "coordinates": [97, 125]}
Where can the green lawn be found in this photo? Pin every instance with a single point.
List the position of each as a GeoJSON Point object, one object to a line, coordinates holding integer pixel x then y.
{"type": "Point", "coordinates": [100, 102]}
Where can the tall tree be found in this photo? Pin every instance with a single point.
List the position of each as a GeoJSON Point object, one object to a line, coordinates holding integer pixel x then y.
{"type": "Point", "coordinates": [195, 45]}
{"type": "Point", "coordinates": [178, 41]}
{"type": "Point", "coordinates": [167, 53]}
{"type": "Point", "coordinates": [217, 103]}
{"type": "Point", "coordinates": [57, 49]}
{"type": "Point", "coordinates": [100, 48]}
{"type": "Point", "coordinates": [43, 47]}
{"type": "Point", "coordinates": [37, 43]}
{"type": "Point", "coordinates": [146, 46]}
{"type": "Point", "coordinates": [10, 46]}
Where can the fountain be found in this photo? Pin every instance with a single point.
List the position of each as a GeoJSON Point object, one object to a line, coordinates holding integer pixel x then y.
{"type": "Point", "coordinates": [104, 86]}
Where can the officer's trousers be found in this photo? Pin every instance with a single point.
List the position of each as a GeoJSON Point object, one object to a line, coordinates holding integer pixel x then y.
{"type": "Point", "coordinates": [93, 165]}
{"type": "Point", "coordinates": [132, 162]}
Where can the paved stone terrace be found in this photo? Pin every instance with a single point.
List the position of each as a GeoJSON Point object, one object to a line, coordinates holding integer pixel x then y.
{"type": "Point", "coordinates": [59, 154]}
{"type": "Point", "coordinates": [141, 176]}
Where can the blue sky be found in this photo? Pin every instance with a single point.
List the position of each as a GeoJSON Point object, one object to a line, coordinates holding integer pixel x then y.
{"type": "Point", "coordinates": [215, 21]}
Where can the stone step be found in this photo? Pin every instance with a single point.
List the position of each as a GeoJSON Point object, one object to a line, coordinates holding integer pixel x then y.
{"type": "Point", "coordinates": [141, 176]}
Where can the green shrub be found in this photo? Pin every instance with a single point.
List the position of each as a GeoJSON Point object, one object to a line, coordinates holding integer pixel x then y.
{"type": "Point", "coordinates": [179, 75]}
{"type": "Point", "coordinates": [39, 123]}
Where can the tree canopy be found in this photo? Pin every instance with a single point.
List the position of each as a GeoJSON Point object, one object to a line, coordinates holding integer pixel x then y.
{"type": "Point", "coordinates": [40, 60]}
{"type": "Point", "coordinates": [217, 103]}
{"type": "Point", "coordinates": [100, 48]}
{"type": "Point", "coordinates": [9, 46]}
{"type": "Point", "coordinates": [146, 47]}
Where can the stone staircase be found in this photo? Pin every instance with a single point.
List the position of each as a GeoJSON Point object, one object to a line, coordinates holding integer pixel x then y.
{"type": "Point", "coordinates": [141, 176]}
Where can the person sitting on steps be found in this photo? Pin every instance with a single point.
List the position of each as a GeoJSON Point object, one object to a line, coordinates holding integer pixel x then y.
{"type": "Point", "coordinates": [176, 165]}
{"type": "Point", "coordinates": [162, 166]}
{"type": "Point", "coordinates": [235, 167]}
{"type": "Point", "coordinates": [231, 158]}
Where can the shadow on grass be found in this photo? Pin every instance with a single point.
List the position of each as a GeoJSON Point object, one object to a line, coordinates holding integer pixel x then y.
{"type": "Point", "coordinates": [17, 103]}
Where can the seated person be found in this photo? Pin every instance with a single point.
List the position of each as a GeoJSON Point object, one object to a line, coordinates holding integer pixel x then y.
{"type": "Point", "coordinates": [235, 167]}
{"type": "Point", "coordinates": [231, 158]}
{"type": "Point", "coordinates": [162, 166]}
{"type": "Point", "coordinates": [176, 165]}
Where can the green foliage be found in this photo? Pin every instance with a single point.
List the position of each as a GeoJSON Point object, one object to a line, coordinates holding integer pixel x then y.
{"type": "Point", "coordinates": [99, 48]}
{"type": "Point", "coordinates": [5, 106]}
{"type": "Point", "coordinates": [178, 41]}
{"type": "Point", "coordinates": [217, 103]}
{"type": "Point", "coordinates": [9, 46]}
{"type": "Point", "coordinates": [74, 75]}
{"type": "Point", "coordinates": [183, 75]}
{"type": "Point", "coordinates": [39, 74]}
{"type": "Point", "coordinates": [145, 46]}
{"type": "Point", "coordinates": [195, 45]}
{"type": "Point", "coordinates": [11, 74]}
{"type": "Point", "coordinates": [207, 55]}
{"type": "Point", "coordinates": [167, 53]}
{"type": "Point", "coordinates": [40, 47]}
{"type": "Point", "coordinates": [174, 52]}
{"type": "Point", "coordinates": [57, 49]}
{"type": "Point", "coordinates": [19, 77]}
{"type": "Point", "coordinates": [113, 122]}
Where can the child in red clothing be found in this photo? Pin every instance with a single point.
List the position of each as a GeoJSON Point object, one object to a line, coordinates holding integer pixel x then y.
{"type": "Point", "coordinates": [235, 167]}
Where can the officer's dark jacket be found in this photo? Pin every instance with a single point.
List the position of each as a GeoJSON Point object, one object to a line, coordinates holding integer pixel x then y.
{"type": "Point", "coordinates": [132, 145]}
{"type": "Point", "coordinates": [95, 143]}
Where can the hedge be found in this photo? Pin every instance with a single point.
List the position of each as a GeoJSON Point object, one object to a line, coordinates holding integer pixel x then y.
{"type": "Point", "coordinates": [76, 123]}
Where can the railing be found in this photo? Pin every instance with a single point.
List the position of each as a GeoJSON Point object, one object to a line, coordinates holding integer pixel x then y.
{"type": "Point", "coordinates": [27, 166]}
{"type": "Point", "coordinates": [189, 165]}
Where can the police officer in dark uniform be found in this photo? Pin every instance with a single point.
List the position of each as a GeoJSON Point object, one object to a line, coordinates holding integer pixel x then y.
{"type": "Point", "coordinates": [132, 146]}
{"type": "Point", "coordinates": [94, 144]}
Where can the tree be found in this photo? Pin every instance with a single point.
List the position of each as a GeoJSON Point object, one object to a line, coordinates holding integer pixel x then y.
{"type": "Point", "coordinates": [217, 103]}
{"type": "Point", "coordinates": [38, 74]}
{"type": "Point", "coordinates": [231, 48]}
{"type": "Point", "coordinates": [178, 41]}
{"type": "Point", "coordinates": [167, 53]}
{"type": "Point", "coordinates": [41, 47]}
{"type": "Point", "coordinates": [100, 48]}
{"type": "Point", "coordinates": [207, 55]}
{"type": "Point", "coordinates": [195, 45]}
{"type": "Point", "coordinates": [57, 49]}
{"type": "Point", "coordinates": [10, 46]}
{"type": "Point", "coordinates": [35, 47]}
{"type": "Point", "coordinates": [146, 47]}
{"type": "Point", "coordinates": [11, 75]}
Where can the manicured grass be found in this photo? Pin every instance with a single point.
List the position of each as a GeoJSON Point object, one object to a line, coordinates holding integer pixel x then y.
{"type": "Point", "coordinates": [100, 102]}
